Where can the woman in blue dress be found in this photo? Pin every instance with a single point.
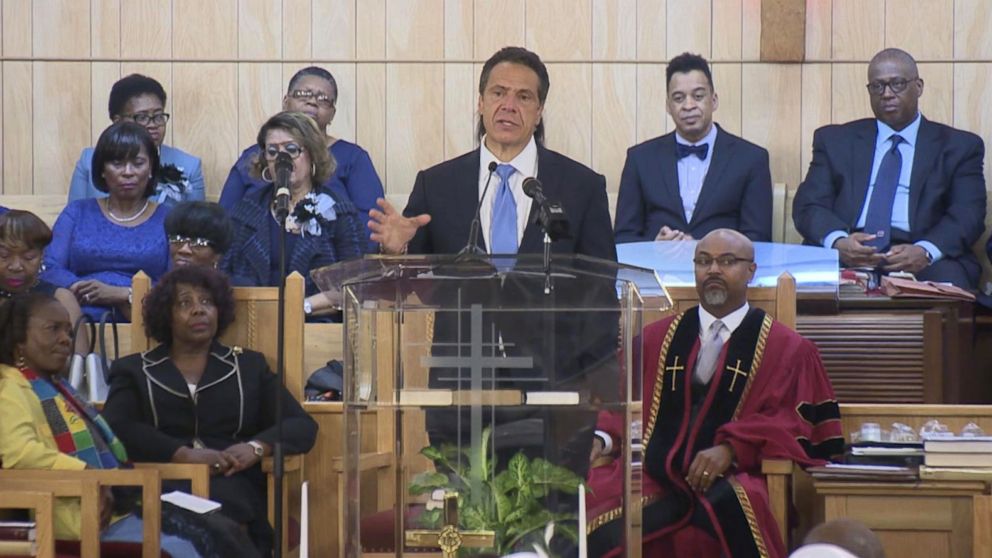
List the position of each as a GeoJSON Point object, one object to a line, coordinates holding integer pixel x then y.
{"type": "Point", "coordinates": [141, 99]}
{"type": "Point", "coordinates": [100, 243]}
{"type": "Point", "coordinates": [323, 227]}
{"type": "Point", "coordinates": [314, 92]}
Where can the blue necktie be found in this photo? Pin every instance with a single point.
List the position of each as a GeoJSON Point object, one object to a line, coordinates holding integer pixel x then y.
{"type": "Point", "coordinates": [503, 229]}
{"type": "Point", "coordinates": [878, 220]}
{"type": "Point", "coordinates": [698, 150]}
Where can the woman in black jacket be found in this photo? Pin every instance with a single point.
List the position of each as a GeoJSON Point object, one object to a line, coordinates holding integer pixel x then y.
{"type": "Point", "coordinates": [194, 400]}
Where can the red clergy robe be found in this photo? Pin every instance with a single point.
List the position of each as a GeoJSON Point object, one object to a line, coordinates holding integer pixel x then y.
{"type": "Point", "coordinates": [785, 410]}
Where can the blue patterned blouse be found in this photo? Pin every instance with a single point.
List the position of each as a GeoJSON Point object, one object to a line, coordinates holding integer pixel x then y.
{"type": "Point", "coordinates": [87, 245]}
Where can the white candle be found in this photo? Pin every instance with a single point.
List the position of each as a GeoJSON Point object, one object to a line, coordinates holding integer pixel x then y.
{"type": "Point", "coordinates": [583, 552]}
{"type": "Point", "coordinates": [304, 522]}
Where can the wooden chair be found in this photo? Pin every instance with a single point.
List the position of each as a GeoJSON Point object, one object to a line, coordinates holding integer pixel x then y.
{"type": "Point", "coordinates": [254, 327]}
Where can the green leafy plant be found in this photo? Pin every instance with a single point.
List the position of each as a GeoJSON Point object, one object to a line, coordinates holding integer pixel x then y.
{"type": "Point", "coordinates": [510, 503]}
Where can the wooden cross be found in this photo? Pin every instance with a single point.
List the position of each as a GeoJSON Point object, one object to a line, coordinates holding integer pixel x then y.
{"type": "Point", "coordinates": [737, 372]}
{"type": "Point", "coordinates": [675, 368]}
{"type": "Point", "coordinates": [449, 539]}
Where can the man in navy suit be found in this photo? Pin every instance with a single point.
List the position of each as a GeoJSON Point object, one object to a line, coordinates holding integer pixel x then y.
{"type": "Point", "coordinates": [698, 178]}
{"type": "Point", "coordinates": [513, 87]}
{"type": "Point", "coordinates": [896, 192]}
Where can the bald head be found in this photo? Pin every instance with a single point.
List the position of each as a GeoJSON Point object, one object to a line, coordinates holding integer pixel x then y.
{"type": "Point", "coordinates": [896, 55]}
{"type": "Point", "coordinates": [724, 264]}
{"type": "Point", "coordinates": [730, 239]}
{"type": "Point", "coordinates": [850, 535]}
{"type": "Point", "coordinates": [894, 88]}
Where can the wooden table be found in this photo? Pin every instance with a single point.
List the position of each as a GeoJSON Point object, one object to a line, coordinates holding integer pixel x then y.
{"type": "Point", "coordinates": [933, 519]}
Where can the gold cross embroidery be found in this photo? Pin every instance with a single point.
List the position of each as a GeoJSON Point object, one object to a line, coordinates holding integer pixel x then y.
{"type": "Point", "coordinates": [675, 368]}
{"type": "Point", "coordinates": [449, 539]}
{"type": "Point", "coordinates": [737, 372]}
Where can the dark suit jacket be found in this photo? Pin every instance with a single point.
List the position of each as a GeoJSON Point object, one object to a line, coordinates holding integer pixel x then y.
{"type": "Point", "coordinates": [736, 194]}
{"type": "Point", "coordinates": [946, 187]}
{"type": "Point", "coordinates": [449, 192]}
{"type": "Point", "coordinates": [247, 262]}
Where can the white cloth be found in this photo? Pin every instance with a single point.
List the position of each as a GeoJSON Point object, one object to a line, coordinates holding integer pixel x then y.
{"type": "Point", "coordinates": [526, 165]}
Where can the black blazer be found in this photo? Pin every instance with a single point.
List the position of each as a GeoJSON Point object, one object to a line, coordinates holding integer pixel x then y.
{"type": "Point", "coordinates": [946, 188]}
{"type": "Point", "coordinates": [736, 193]}
{"type": "Point", "coordinates": [150, 409]}
{"type": "Point", "coordinates": [449, 192]}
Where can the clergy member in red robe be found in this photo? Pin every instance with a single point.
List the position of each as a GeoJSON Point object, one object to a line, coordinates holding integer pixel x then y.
{"type": "Point", "coordinates": [725, 386]}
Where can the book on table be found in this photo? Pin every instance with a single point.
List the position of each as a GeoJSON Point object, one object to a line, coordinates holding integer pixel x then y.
{"type": "Point", "coordinates": [959, 444]}
{"type": "Point", "coordinates": [958, 459]}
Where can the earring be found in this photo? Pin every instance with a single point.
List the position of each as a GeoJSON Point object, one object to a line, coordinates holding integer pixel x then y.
{"type": "Point", "coordinates": [21, 363]}
{"type": "Point", "coordinates": [267, 178]}
{"type": "Point", "coordinates": [313, 169]}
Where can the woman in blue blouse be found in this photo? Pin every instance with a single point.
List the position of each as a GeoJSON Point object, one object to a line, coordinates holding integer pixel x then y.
{"type": "Point", "coordinates": [141, 99]}
{"type": "Point", "coordinates": [98, 244]}
{"type": "Point", "coordinates": [314, 92]}
{"type": "Point", "coordinates": [323, 227]}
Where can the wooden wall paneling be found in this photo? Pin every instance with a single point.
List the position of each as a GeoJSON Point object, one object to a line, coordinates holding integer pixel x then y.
{"type": "Point", "coordinates": [370, 115]}
{"type": "Point", "coordinates": [560, 29]}
{"type": "Point", "coordinates": [815, 110]}
{"type": "Point", "coordinates": [333, 29]}
{"type": "Point", "coordinates": [103, 75]}
{"type": "Point", "coordinates": [614, 29]}
{"type": "Point", "coordinates": [727, 81]}
{"type": "Point", "coordinates": [652, 120]}
{"type": "Point", "coordinates": [18, 148]}
{"type": "Point", "coordinates": [260, 92]}
{"type": "Point", "coordinates": [689, 27]}
{"type": "Point", "coordinates": [370, 30]}
{"type": "Point", "coordinates": [771, 115]}
{"type": "Point", "coordinates": [343, 125]}
{"type": "Point", "coordinates": [414, 29]}
{"type": "Point", "coordinates": [858, 29]}
{"type": "Point", "coordinates": [614, 121]}
{"type": "Point", "coordinates": [205, 30]}
{"type": "Point", "coordinates": [819, 30]}
{"type": "Point", "coordinates": [498, 24]}
{"type": "Point", "coordinates": [937, 102]}
{"type": "Point", "coordinates": [63, 89]}
{"type": "Point", "coordinates": [568, 111]}
{"type": "Point", "coordinates": [297, 40]}
{"type": "Point", "coordinates": [259, 30]}
{"type": "Point", "coordinates": [652, 30]}
{"type": "Point", "coordinates": [160, 71]}
{"type": "Point", "coordinates": [849, 98]}
{"type": "Point", "coordinates": [784, 22]}
{"type": "Point", "coordinates": [728, 23]}
{"type": "Point", "coordinates": [973, 112]}
{"type": "Point", "coordinates": [63, 30]}
{"type": "Point", "coordinates": [411, 98]}
{"type": "Point", "coordinates": [105, 26]}
{"type": "Point", "coordinates": [205, 118]}
{"type": "Point", "coordinates": [16, 29]}
{"type": "Point", "coordinates": [459, 29]}
{"type": "Point", "coordinates": [460, 109]}
{"type": "Point", "coordinates": [751, 30]}
{"type": "Point", "coordinates": [922, 28]}
{"type": "Point", "coordinates": [972, 21]}
{"type": "Point", "coordinates": [146, 29]}
{"type": "Point", "coordinates": [1, 126]}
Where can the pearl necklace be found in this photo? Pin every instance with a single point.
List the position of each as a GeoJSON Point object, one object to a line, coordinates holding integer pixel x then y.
{"type": "Point", "coordinates": [141, 212]}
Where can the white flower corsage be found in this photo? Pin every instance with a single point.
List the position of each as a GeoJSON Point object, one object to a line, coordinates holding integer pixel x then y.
{"type": "Point", "coordinates": [172, 183]}
{"type": "Point", "coordinates": [310, 213]}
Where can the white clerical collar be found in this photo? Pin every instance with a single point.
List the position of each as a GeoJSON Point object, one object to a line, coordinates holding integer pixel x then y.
{"type": "Point", "coordinates": [525, 162]}
{"type": "Point", "coordinates": [732, 320]}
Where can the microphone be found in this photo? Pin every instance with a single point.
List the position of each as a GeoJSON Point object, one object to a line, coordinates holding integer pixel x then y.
{"type": "Point", "coordinates": [472, 246]}
{"type": "Point", "coordinates": [549, 215]}
{"type": "Point", "coordinates": [284, 168]}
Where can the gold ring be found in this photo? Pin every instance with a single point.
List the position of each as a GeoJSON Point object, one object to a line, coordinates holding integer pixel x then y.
{"type": "Point", "coordinates": [706, 473]}
{"type": "Point", "coordinates": [216, 466]}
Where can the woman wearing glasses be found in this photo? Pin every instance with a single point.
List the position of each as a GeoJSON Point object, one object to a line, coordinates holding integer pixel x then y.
{"type": "Point", "coordinates": [314, 92]}
{"type": "Point", "coordinates": [199, 233]}
{"type": "Point", "coordinates": [323, 227]}
{"type": "Point", "coordinates": [141, 99]}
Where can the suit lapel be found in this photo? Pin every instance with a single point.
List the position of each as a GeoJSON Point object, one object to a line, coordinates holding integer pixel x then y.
{"type": "Point", "coordinates": [863, 153]}
{"type": "Point", "coordinates": [550, 178]}
{"type": "Point", "coordinates": [257, 247]}
{"type": "Point", "coordinates": [926, 150]}
{"type": "Point", "coordinates": [668, 170]}
{"type": "Point", "coordinates": [723, 149]}
{"type": "Point", "coordinates": [465, 195]}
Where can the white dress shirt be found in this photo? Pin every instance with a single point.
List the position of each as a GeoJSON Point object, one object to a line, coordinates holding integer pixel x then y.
{"type": "Point", "coordinates": [525, 164]}
{"type": "Point", "coordinates": [731, 321]}
{"type": "Point", "coordinates": [692, 171]}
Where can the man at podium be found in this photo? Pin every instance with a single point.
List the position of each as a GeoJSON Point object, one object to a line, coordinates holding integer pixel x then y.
{"type": "Point", "coordinates": [725, 386]}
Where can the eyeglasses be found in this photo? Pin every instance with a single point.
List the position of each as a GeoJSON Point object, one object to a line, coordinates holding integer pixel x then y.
{"type": "Point", "coordinates": [294, 151]}
{"type": "Point", "coordinates": [194, 242]}
{"type": "Point", "coordinates": [143, 118]}
{"type": "Point", "coordinates": [722, 262]}
{"type": "Point", "coordinates": [897, 85]}
{"type": "Point", "coordinates": [306, 95]}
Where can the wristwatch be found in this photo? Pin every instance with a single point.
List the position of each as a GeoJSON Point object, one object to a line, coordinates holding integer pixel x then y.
{"type": "Point", "coordinates": [259, 449]}
{"type": "Point", "coordinates": [307, 307]}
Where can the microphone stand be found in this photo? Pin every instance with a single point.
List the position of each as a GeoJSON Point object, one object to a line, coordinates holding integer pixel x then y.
{"type": "Point", "coordinates": [278, 457]}
{"type": "Point", "coordinates": [547, 263]}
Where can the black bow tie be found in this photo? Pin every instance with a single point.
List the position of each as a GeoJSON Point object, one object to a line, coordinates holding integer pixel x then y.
{"type": "Point", "coordinates": [698, 150]}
